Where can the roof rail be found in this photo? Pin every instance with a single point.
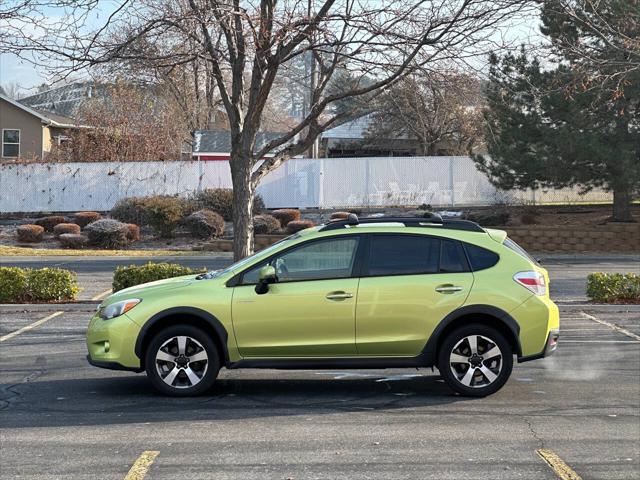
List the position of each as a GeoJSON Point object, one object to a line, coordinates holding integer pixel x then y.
{"type": "Point", "coordinates": [432, 221]}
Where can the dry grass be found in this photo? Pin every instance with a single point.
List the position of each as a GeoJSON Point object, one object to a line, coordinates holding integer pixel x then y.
{"type": "Point", "coordinates": [57, 252]}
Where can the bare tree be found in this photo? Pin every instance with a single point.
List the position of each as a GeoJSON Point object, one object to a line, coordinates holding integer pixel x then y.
{"type": "Point", "coordinates": [440, 111]}
{"type": "Point", "coordinates": [248, 45]}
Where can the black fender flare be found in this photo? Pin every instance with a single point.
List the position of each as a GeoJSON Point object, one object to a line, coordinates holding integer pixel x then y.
{"type": "Point", "coordinates": [430, 349]}
{"type": "Point", "coordinates": [210, 319]}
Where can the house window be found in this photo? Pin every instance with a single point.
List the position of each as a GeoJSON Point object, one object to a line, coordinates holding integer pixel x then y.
{"type": "Point", "coordinates": [10, 142]}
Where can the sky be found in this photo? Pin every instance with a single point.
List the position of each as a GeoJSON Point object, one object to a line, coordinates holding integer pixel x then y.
{"type": "Point", "coordinates": [28, 77]}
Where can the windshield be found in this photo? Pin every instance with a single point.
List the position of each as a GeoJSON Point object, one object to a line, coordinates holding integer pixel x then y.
{"type": "Point", "coordinates": [245, 261]}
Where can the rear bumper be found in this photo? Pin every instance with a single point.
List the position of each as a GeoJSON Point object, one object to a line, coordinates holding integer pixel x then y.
{"type": "Point", "coordinates": [550, 347]}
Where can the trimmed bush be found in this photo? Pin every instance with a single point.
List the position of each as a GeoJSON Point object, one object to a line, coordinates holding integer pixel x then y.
{"type": "Point", "coordinates": [297, 225]}
{"type": "Point", "coordinates": [125, 277]}
{"type": "Point", "coordinates": [286, 215]}
{"type": "Point", "coordinates": [30, 233]}
{"type": "Point", "coordinates": [133, 232]}
{"type": "Point", "coordinates": [339, 216]}
{"type": "Point", "coordinates": [108, 233]}
{"type": "Point", "coordinates": [220, 200]}
{"type": "Point", "coordinates": [164, 213]}
{"type": "Point", "coordinates": [613, 287]}
{"type": "Point", "coordinates": [13, 284]}
{"type": "Point", "coordinates": [49, 222]}
{"type": "Point", "coordinates": [205, 224]}
{"type": "Point", "coordinates": [20, 285]}
{"type": "Point", "coordinates": [66, 228]}
{"type": "Point", "coordinates": [85, 218]}
{"type": "Point", "coordinates": [73, 240]}
{"type": "Point", "coordinates": [131, 210]}
{"type": "Point", "coordinates": [265, 224]}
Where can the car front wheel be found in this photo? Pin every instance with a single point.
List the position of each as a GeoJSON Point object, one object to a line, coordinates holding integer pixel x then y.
{"type": "Point", "coordinates": [182, 361]}
{"type": "Point", "coordinates": [475, 360]}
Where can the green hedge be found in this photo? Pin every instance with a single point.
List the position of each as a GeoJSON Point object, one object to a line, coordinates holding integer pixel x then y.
{"type": "Point", "coordinates": [125, 277]}
{"type": "Point", "coordinates": [24, 285]}
{"type": "Point", "coordinates": [613, 287]}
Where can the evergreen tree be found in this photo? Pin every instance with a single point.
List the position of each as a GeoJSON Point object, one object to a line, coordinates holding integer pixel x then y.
{"type": "Point", "coordinates": [577, 123]}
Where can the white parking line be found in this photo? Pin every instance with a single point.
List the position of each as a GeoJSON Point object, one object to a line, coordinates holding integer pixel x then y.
{"type": "Point", "coordinates": [30, 326]}
{"type": "Point", "coordinates": [622, 330]}
{"type": "Point", "coordinates": [600, 341]}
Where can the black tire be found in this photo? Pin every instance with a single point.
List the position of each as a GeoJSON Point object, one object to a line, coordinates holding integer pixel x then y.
{"type": "Point", "coordinates": [479, 377]}
{"type": "Point", "coordinates": [184, 383]}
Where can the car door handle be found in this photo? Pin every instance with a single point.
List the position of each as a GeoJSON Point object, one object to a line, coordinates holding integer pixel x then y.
{"type": "Point", "coordinates": [339, 295]}
{"type": "Point", "coordinates": [448, 289]}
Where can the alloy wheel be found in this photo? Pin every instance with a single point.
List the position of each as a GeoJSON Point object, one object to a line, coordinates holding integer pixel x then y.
{"type": "Point", "coordinates": [476, 361]}
{"type": "Point", "coordinates": [181, 362]}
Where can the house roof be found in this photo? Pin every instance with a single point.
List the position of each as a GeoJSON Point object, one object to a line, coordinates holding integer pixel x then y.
{"type": "Point", "coordinates": [64, 100]}
{"type": "Point", "coordinates": [219, 141]}
{"type": "Point", "coordinates": [45, 117]}
{"type": "Point", "coordinates": [354, 129]}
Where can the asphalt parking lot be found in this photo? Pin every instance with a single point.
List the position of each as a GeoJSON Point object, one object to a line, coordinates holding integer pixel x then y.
{"type": "Point", "coordinates": [62, 419]}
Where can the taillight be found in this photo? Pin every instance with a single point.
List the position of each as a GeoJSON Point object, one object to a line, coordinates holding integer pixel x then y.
{"type": "Point", "coordinates": [532, 281]}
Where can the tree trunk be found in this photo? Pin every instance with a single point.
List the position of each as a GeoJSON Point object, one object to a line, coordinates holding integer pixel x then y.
{"type": "Point", "coordinates": [243, 194]}
{"type": "Point", "coordinates": [621, 205]}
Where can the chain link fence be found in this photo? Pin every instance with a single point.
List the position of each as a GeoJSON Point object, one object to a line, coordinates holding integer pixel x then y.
{"type": "Point", "coordinates": [300, 183]}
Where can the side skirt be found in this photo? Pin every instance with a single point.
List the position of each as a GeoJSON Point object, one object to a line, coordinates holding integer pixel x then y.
{"type": "Point", "coordinates": [330, 363]}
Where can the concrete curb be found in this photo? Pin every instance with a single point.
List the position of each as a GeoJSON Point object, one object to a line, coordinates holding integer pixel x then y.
{"type": "Point", "coordinates": [49, 307]}
{"type": "Point", "coordinates": [597, 307]}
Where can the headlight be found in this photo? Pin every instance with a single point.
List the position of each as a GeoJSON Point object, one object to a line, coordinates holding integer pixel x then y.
{"type": "Point", "coordinates": [118, 308]}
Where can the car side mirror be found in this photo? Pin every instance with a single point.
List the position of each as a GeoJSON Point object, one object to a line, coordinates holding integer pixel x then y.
{"type": "Point", "coordinates": [267, 275]}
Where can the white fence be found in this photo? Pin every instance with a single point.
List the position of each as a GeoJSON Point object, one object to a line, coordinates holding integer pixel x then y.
{"type": "Point", "coordinates": [324, 183]}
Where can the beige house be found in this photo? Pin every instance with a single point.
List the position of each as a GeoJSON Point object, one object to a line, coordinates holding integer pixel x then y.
{"type": "Point", "coordinates": [29, 133]}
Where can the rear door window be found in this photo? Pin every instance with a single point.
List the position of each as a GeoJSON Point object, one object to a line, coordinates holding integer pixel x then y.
{"type": "Point", "coordinates": [403, 255]}
{"type": "Point", "coordinates": [452, 259]}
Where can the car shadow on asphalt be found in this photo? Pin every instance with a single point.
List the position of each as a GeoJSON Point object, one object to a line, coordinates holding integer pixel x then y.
{"type": "Point", "coordinates": [131, 399]}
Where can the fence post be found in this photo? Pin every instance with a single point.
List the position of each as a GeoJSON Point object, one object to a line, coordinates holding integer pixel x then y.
{"type": "Point", "coordinates": [451, 184]}
{"type": "Point", "coordinates": [366, 183]}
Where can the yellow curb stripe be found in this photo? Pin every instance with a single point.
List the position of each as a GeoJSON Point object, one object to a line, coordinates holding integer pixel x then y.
{"type": "Point", "coordinates": [100, 296]}
{"type": "Point", "coordinates": [141, 466]}
{"type": "Point", "coordinates": [30, 326]}
{"type": "Point", "coordinates": [561, 469]}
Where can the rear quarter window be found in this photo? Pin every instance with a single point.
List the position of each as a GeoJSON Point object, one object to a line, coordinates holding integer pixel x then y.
{"type": "Point", "coordinates": [480, 258]}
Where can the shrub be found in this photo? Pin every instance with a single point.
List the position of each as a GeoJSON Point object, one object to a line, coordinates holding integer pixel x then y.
{"type": "Point", "coordinates": [13, 284]}
{"type": "Point", "coordinates": [489, 218]}
{"type": "Point", "coordinates": [164, 213]}
{"type": "Point", "coordinates": [108, 233]}
{"type": "Point", "coordinates": [49, 222]}
{"type": "Point", "coordinates": [613, 287]}
{"type": "Point", "coordinates": [125, 277]}
{"type": "Point", "coordinates": [85, 218]}
{"type": "Point", "coordinates": [339, 216]}
{"type": "Point", "coordinates": [72, 240]}
{"type": "Point", "coordinates": [297, 225]}
{"type": "Point", "coordinates": [66, 228]}
{"type": "Point", "coordinates": [286, 215]}
{"type": "Point", "coordinates": [131, 210]}
{"type": "Point", "coordinates": [133, 232]}
{"type": "Point", "coordinates": [265, 224]}
{"type": "Point", "coordinates": [19, 285]}
{"type": "Point", "coordinates": [205, 224]}
{"type": "Point", "coordinates": [30, 233]}
{"type": "Point", "coordinates": [51, 285]}
{"type": "Point", "coordinates": [220, 200]}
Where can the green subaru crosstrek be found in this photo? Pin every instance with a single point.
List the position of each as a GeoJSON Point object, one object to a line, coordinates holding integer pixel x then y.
{"type": "Point", "coordinates": [369, 293]}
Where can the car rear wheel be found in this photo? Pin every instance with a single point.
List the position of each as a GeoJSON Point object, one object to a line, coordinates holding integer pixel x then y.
{"type": "Point", "coordinates": [475, 360]}
{"type": "Point", "coordinates": [182, 361]}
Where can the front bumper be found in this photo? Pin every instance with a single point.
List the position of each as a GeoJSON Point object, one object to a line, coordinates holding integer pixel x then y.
{"type": "Point", "coordinates": [111, 343]}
